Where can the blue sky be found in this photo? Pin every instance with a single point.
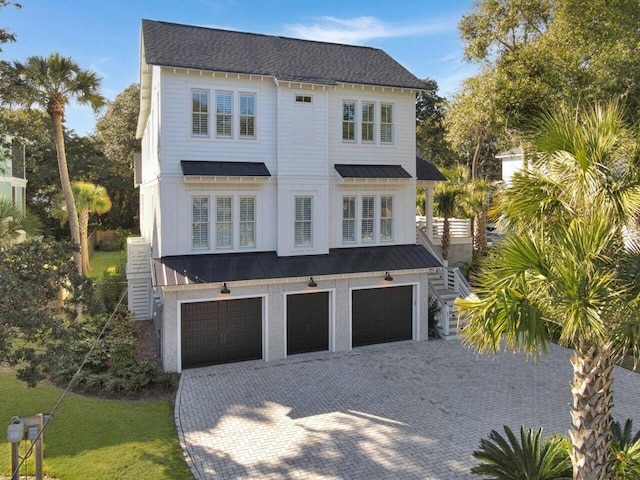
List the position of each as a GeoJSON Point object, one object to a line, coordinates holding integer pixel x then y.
{"type": "Point", "coordinates": [104, 35]}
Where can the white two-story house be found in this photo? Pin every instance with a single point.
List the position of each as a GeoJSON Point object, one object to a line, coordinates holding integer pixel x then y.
{"type": "Point", "coordinates": [277, 194]}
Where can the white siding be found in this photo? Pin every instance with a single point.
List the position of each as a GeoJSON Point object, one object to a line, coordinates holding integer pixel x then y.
{"type": "Point", "coordinates": [177, 141]}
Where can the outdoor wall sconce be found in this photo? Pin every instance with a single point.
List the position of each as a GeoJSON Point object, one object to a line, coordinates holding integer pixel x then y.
{"type": "Point", "coordinates": [312, 283]}
{"type": "Point", "coordinates": [225, 290]}
{"type": "Point", "coordinates": [388, 277]}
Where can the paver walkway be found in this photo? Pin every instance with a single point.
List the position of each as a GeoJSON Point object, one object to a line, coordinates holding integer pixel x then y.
{"type": "Point", "coordinates": [403, 411]}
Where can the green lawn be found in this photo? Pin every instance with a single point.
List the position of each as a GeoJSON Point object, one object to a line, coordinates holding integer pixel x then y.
{"type": "Point", "coordinates": [93, 438]}
{"type": "Point", "coordinates": [100, 261]}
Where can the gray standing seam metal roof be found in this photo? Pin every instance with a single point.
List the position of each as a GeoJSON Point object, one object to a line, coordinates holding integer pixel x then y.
{"type": "Point", "coordinates": [230, 267]}
{"type": "Point", "coordinates": [225, 169]}
{"type": "Point", "coordinates": [425, 170]}
{"type": "Point", "coordinates": [287, 59]}
{"type": "Point", "coordinates": [371, 171]}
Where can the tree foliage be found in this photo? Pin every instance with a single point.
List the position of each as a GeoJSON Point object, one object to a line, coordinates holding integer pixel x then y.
{"type": "Point", "coordinates": [430, 130]}
{"type": "Point", "coordinates": [5, 34]}
{"type": "Point", "coordinates": [116, 136]}
{"type": "Point", "coordinates": [36, 318]}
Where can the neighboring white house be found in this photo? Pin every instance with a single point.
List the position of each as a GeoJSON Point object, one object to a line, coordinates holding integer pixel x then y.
{"type": "Point", "coordinates": [277, 197]}
{"type": "Point", "coordinates": [511, 163]}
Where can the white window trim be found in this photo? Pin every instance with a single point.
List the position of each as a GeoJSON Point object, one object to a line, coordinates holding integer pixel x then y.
{"type": "Point", "coordinates": [353, 219]}
{"type": "Point", "coordinates": [255, 222]}
{"type": "Point", "coordinates": [208, 92]}
{"type": "Point", "coordinates": [191, 223]}
{"type": "Point", "coordinates": [377, 219]}
{"type": "Point", "coordinates": [354, 122]}
{"type": "Point", "coordinates": [216, 223]}
{"type": "Point", "coordinates": [255, 116]}
{"type": "Point", "coordinates": [393, 124]}
{"type": "Point", "coordinates": [372, 122]}
{"type": "Point", "coordinates": [231, 114]}
{"type": "Point", "coordinates": [312, 221]}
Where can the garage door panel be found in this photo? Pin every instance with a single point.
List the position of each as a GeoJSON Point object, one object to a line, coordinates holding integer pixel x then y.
{"type": "Point", "coordinates": [382, 315]}
{"type": "Point", "coordinates": [307, 322]}
{"type": "Point", "coordinates": [221, 332]}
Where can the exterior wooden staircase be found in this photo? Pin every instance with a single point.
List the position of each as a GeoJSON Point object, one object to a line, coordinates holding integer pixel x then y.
{"type": "Point", "coordinates": [445, 285]}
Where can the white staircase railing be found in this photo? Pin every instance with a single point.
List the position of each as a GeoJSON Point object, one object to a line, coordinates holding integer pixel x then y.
{"type": "Point", "coordinates": [445, 285]}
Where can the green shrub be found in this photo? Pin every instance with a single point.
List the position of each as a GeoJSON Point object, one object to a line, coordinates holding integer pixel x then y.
{"type": "Point", "coordinates": [625, 451]}
{"type": "Point", "coordinates": [525, 459]}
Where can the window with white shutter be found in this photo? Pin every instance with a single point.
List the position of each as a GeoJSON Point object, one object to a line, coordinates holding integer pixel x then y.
{"type": "Point", "coordinates": [224, 223]}
{"type": "Point", "coordinates": [348, 219]}
{"type": "Point", "coordinates": [303, 221]}
{"type": "Point", "coordinates": [247, 222]}
{"type": "Point", "coordinates": [223, 114]}
{"type": "Point", "coordinates": [247, 115]}
{"type": "Point", "coordinates": [200, 222]}
{"type": "Point", "coordinates": [386, 219]}
{"type": "Point", "coordinates": [368, 216]}
{"type": "Point", "coordinates": [200, 113]}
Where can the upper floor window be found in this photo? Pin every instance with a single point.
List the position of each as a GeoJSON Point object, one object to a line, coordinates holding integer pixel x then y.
{"type": "Point", "coordinates": [200, 112]}
{"type": "Point", "coordinates": [224, 223]}
{"type": "Point", "coordinates": [349, 121]}
{"type": "Point", "coordinates": [368, 121]}
{"type": "Point", "coordinates": [247, 115]}
{"type": "Point", "coordinates": [386, 219]}
{"type": "Point", "coordinates": [386, 123]}
{"type": "Point", "coordinates": [349, 219]}
{"type": "Point", "coordinates": [223, 114]}
{"type": "Point", "coordinates": [200, 222]}
{"type": "Point", "coordinates": [303, 221]}
{"type": "Point", "coordinates": [247, 221]}
{"type": "Point", "coordinates": [303, 99]}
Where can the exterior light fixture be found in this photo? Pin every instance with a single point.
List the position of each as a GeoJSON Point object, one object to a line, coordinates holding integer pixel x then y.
{"type": "Point", "coordinates": [225, 290]}
{"type": "Point", "coordinates": [312, 283]}
{"type": "Point", "coordinates": [388, 277]}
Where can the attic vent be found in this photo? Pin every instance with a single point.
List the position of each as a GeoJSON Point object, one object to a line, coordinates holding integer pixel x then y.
{"type": "Point", "coordinates": [303, 98]}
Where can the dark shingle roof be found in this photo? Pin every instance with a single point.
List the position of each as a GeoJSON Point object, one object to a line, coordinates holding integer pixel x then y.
{"type": "Point", "coordinates": [371, 171]}
{"type": "Point", "coordinates": [425, 170]}
{"type": "Point", "coordinates": [224, 169]}
{"type": "Point", "coordinates": [231, 267]}
{"type": "Point", "coordinates": [288, 59]}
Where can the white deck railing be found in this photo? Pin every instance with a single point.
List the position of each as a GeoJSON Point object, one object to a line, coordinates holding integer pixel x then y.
{"type": "Point", "coordinates": [458, 227]}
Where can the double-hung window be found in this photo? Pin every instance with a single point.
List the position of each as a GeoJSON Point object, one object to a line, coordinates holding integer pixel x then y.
{"type": "Point", "coordinates": [200, 113]}
{"type": "Point", "coordinates": [368, 217]}
{"type": "Point", "coordinates": [247, 115]}
{"type": "Point", "coordinates": [247, 222]}
{"type": "Point", "coordinates": [224, 113]}
{"type": "Point", "coordinates": [303, 221]}
{"type": "Point", "coordinates": [200, 222]}
{"type": "Point", "coordinates": [349, 121]}
{"type": "Point", "coordinates": [386, 123]}
{"type": "Point", "coordinates": [224, 222]}
{"type": "Point", "coordinates": [368, 121]}
{"type": "Point", "coordinates": [386, 219]}
{"type": "Point", "coordinates": [348, 219]}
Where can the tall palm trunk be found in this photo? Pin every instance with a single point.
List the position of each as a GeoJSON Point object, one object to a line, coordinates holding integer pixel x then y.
{"type": "Point", "coordinates": [446, 238]}
{"type": "Point", "coordinates": [83, 216]}
{"type": "Point", "coordinates": [592, 391]}
{"type": "Point", "coordinates": [56, 120]}
{"type": "Point", "coordinates": [480, 232]}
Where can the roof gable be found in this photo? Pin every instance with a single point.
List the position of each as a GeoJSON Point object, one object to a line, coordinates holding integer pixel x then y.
{"type": "Point", "coordinates": [287, 59]}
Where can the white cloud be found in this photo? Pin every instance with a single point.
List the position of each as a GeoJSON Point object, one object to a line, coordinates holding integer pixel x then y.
{"type": "Point", "coordinates": [361, 29]}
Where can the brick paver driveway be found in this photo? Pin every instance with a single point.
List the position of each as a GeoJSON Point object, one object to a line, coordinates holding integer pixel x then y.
{"type": "Point", "coordinates": [404, 410]}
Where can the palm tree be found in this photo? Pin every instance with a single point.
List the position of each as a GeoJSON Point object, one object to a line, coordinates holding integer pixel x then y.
{"type": "Point", "coordinates": [89, 198]}
{"type": "Point", "coordinates": [14, 223]}
{"type": "Point", "coordinates": [477, 200]}
{"type": "Point", "coordinates": [445, 204]}
{"type": "Point", "coordinates": [560, 271]}
{"type": "Point", "coordinates": [51, 82]}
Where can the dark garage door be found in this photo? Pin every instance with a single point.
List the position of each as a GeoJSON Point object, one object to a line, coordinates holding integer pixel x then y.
{"type": "Point", "coordinates": [221, 332]}
{"type": "Point", "coordinates": [382, 315]}
{"type": "Point", "coordinates": [307, 322]}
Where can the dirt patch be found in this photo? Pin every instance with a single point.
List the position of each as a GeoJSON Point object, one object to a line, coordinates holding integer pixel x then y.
{"type": "Point", "coordinates": [147, 342]}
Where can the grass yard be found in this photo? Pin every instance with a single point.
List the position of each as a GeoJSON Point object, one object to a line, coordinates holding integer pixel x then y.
{"type": "Point", "coordinates": [100, 261]}
{"type": "Point", "coordinates": [92, 438]}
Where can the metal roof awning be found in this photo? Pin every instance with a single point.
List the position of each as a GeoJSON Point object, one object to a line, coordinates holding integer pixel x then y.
{"type": "Point", "coordinates": [199, 171]}
{"type": "Point", "coordinates": [372, 173]}
{"type": "Point", "coordinates": [262, 266]}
